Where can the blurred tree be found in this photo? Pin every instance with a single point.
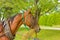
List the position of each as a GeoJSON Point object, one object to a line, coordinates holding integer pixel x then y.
{"type": "Point", "coordinates": [12, 7]}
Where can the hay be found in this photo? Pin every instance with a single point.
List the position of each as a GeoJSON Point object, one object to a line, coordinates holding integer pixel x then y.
{"type": "Point", "coordinates": [28, 34]}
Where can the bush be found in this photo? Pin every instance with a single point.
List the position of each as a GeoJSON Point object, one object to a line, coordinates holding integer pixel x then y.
{"type": "Point", "coordinates": [49, 20]}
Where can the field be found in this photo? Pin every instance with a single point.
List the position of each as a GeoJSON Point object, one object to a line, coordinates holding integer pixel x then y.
{"type": "Point", "coordinates": [42, 35]}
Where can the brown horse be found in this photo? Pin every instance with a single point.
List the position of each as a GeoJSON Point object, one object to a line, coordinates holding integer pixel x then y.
{"type": "Point", "coordinates": [17, 21]}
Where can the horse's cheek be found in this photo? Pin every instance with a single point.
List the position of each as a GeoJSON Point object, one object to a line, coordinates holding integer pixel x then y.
{"type": "Point", "coordinates": [27, 21]}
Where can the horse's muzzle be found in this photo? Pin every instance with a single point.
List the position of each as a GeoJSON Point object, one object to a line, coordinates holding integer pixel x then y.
{"type": "Point", "coordinates": [38, 30]}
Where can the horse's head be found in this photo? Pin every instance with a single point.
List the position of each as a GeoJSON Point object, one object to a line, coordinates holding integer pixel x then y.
{"type": "Point", "coordinates": [36, 25]}
{"type": "Point", "coordinates": [31, 21]}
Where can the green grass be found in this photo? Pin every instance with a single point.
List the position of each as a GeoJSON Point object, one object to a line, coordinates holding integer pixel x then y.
{"type": "Point", "coordinates": [42, 35]}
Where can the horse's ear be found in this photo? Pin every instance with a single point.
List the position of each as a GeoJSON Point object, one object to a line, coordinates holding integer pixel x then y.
{"type": "Point", "coordinates": [27, 11]}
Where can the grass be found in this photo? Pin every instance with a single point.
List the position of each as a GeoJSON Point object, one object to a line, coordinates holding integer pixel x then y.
{"type": "Point", "coordinates": [42, 35]}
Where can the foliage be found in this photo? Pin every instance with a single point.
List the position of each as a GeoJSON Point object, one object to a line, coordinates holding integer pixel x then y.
{"type": "Point", "coordinates": [15, 5]}
{"type": "Point", "coordinates": [12, 7]}
{"type": "Point", "coordinates": [50, 20]}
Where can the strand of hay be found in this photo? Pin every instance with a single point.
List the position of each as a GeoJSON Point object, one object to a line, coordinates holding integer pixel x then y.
{"type": "Point", "coordinates": [28, 34]}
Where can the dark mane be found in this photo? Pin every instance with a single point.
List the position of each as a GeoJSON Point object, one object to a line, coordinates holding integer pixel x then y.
{"type": "Point", "coordinates": [12, 18]}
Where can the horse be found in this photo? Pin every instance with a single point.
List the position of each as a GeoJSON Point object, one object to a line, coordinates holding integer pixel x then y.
{"type": "Point", "coordinates": [16, 21]}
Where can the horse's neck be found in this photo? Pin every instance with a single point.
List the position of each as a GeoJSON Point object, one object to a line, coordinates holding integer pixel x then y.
{"type": "Point", "coordinates": [17, 21]}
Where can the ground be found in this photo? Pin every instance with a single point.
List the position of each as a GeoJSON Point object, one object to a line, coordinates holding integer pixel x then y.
{"type": "Point", "coordinates": [42, 35]}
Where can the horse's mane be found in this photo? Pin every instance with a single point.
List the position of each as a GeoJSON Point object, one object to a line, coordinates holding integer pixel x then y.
{"type": "Point", "coordinates": [12, 17]}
